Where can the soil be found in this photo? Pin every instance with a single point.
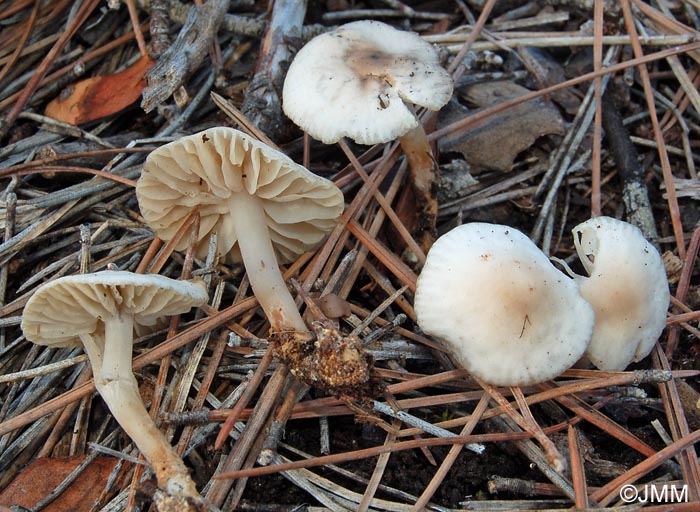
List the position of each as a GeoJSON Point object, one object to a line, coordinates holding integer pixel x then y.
{"type": "Point", "coordinates": [410, 471]}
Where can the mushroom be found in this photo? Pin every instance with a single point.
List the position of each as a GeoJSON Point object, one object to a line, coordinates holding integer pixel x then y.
{"type": "Point", "coordinates": [508, 315]}
{"type": "Point", "coordinates": [627, 288]}
{"type": "Point", "coordinates": [99, 312]}
{"type": "Point", "coordinates": [359, 81]}
{"type": "Point", "coordinates": [262, 205]}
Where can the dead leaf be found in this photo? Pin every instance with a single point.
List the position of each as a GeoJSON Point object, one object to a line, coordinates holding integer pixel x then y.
{"type": "Point", "coordinates": [43, 475]}
{"type": "Point", "coordinates": [547, 72]}
{"type": "Point", "coordinates": [495, 142]}
{"type": "Point", "coordinates": [100, 96]}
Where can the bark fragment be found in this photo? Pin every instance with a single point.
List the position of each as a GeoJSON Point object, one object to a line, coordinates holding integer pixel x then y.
{"type": "Point", "coordinates": [185, 55]}
{"type": "Point", "coordinates": [263, 104]}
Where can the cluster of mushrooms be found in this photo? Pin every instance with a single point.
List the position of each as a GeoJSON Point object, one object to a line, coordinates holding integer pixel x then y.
{"type": "Point", "coordinates": [508, 314]}
{"type": "Point", "coordinates": [512, 318]}
{"type": "Point", "coordinates": [534, 322]}
{"type": "Point", "coordinates": [263, 207]}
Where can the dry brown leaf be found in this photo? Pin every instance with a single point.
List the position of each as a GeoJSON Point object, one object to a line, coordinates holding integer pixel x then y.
{"type": "Point", "coordinates": [495, 142]}
{"type": "Point", "coordinates": [547, 72]}
{"type": "Point", "coordinates": [100, 96]}
{"type": "Point", "coordinates": [43, 475]}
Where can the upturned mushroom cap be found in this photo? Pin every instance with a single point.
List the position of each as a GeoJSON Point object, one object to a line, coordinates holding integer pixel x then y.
{"type": "Point", "coordinates": [355, 81]}
{"type": "Point", "coordinates": [627, 288]}
{"type": "Point", "coordinates": [509, 316]}
{"type": "Point", "coordinates": [63, 309]}
{"type": "Point", "coordinates": [205, 169]}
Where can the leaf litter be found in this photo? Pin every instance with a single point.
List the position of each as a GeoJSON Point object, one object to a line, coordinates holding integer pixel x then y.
{"type": "Point", "coordinates": [68, 207]}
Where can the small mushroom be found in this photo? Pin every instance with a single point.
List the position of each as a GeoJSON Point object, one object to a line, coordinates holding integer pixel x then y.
{"type": "Point", "coordinates": [99, 312]}
{"type": "Point", "coordinates": [262, 205]}
{"type": "Point", "coordinates": [627, 287]}
{"type": "Point", "coordinates": [508, 315]}
{"type": "Point", "coordinates": [360, 81]}
{"type": "Point", "coordinates": [334, 306]}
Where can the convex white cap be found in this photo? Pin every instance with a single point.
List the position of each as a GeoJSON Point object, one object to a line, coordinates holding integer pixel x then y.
{"type": "Point", "coordinates": [68, 307]}
{"type": "Point", "coordinates": [355, 81]}
{"type": "Point", "coordinates": [208, 169]}
{"type": "Point", "coordinates": [509, 316]}
{"type": "Point", "coordinates": [627, 288]}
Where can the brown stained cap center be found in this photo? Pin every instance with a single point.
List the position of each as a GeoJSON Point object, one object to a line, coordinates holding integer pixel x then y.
{"type": "Point", "coordinates": [366, 61]}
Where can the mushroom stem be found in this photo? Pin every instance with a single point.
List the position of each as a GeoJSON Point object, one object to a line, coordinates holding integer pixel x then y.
{"type": "Point", "coordinates": [425, 179]}
{"type": "Point", "coordinates": [119, 335]}
{"type": "Point", "coordinates": [248, 216]}
{"type": "Point", "coordinates": [117, 386]}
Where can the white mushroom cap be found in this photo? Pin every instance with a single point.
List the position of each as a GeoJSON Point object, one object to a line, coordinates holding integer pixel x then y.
{"type": "Point", "coordinates": [63, 309]}
{"type": "Point", "coordinates": [205, 169]}
{"type": "Point", "coordinates": [509, 316]}
{"type": "Point", "coordinates": [627, 288]}
{"type": "Point", "coordinates": [354, 81]}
